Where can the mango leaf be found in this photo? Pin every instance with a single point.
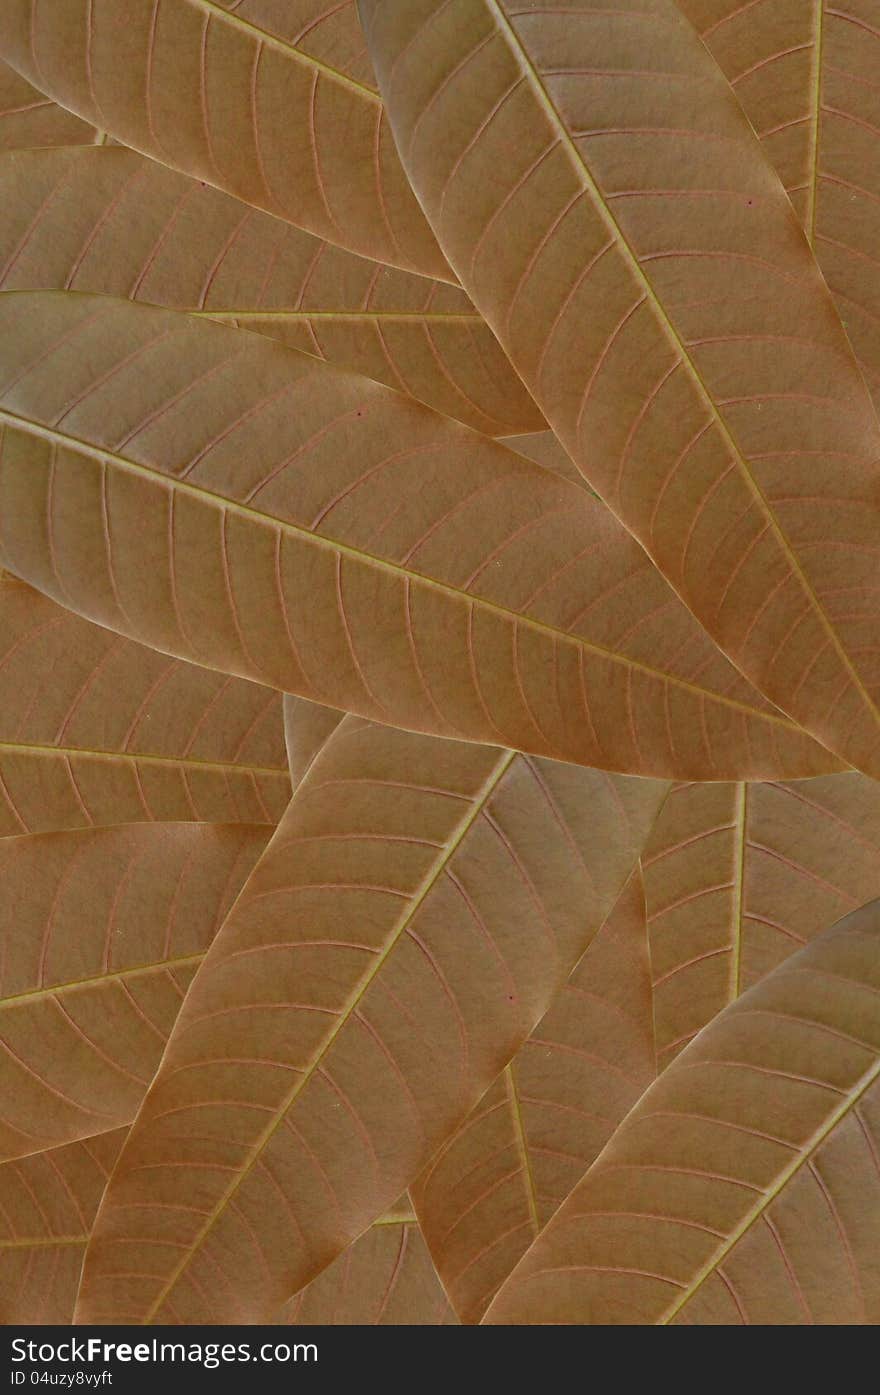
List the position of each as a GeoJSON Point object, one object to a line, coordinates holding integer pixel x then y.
{"type": "Point", "coordinates": [744, 1186]}
{"type": "Point", "coordinates": [608, 208]}
{"type": "Point", "coordinates": [102, 930]}
{"type": "Point", "coordinates": [111, 221]}
{"type": "Point", "coordinates": [248, 100]}
{"type": "Point", "coordinates": [498, 1180]}
{"type": "Point", "coordinates": [385, 1278]}
{"type": "Point", "coordinates": [806, 77]}
{"type": "Point", "coordinates": [245, 507]}
{"type": "Point", "coordinates": [95, 729]}
{"type": "Point", "coordinates": [47, 1205]}
{"type": "Point", "coordinates": [29, 120]}
{"type": "Point", "coordinates": [407, 926]}
{"type": "Point", "coordinates": [738, 876]}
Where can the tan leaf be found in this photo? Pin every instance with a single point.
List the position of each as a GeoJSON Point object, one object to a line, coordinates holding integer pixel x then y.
{"type": "Point", "coordinates": [246, 507]}
{"type": "Point", "coordinates": [608, 208]}
{"type": "Point", "coordinates": [385, 1277]}
{"type": "Point", "coordinates": [111, 221]}
{"type": "Point", "coordinates": [739, 876]}
{"type": "Point", "coordinates": [307, 728]}
{"type": "Point", "coordinates": [498, 1180]}
{"type": "Point", "coordinates": [409, 923]}
{"type": "Point", "coordinates": [102, 930]}
{"type": "Point", "coordinates": [249, 100]}
{"type": "Point", "coordinates": [29, 120]}
{"type": "Point", "coordinates": [47, 1205]}
{"type": "Point", "coordinates": [806, 75]}
{"type": "Point", "coordinates": [744, 1186]}
{"type": "Point", "coordinates": [97, 729]}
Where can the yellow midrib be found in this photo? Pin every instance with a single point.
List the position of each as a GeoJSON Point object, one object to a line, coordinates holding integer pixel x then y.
{"type": "Point", "coordinates": [447, 852]}
{"type": "Point", "coordinates": [582, 171]}
{"type": "Point", "coordinates": [395, 569]}
{"type": "Point", "coordinates": [112, 976]}
{"type": "Point", "coordinates": [29, 748]}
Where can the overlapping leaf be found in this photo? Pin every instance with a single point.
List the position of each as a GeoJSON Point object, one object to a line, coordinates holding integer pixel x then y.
{"type": "Point", "coordinates": [744, 1186]}
{"type": "Point", "coordinates": [407, 926]}
{"type": "Point", "coordinates": [246, 507]}
{"type": "Point", "coordinates": [806, 75]}
{"type": "Point", "coordinates": [249, 99]}
{"type": "Point", "coordinates": [111, 221]}
{"type": "Point", "coordinates": [28, 119]}
{"type": "Point", "coordinates": [47, 1205]}
{"type": "Point", "coordinates": [739, 876]}
{"type": "Point", "coordinates": [603, 200]}
{"type": "Point", "coordinates": [96, 729]}
{"type": "Point", "coordinates": [497, 1181]}
{"type": "Point", "coordinates": [102, 931]}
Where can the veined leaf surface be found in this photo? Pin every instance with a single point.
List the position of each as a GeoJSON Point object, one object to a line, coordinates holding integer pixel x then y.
{"type": "Point", "coordinates": [47, 1205]}
{"type": "Point", "coordinates": [739, 876]}
{"type": "Point", "coordinates": [246, 507]}
{"type": "Point", "coordinates": [498, 1180]}
{"type": "Point", "coordinates": [743, 1188]}
{"type": "Point", "coordinates": [107, 220]}
{"type": "Point", "coordinates": [96, 729]}
{"type": "Point", "coordinates": [407, 926]}
{"type": "Point", "coordinates": [28, 119]}
{"type": "Point", "coordinates": [253, 110]}
{"type": "Point", "coordinates": [806, 75]}
{"type": "Point", "coordinates": [102, 931]}
{"type": "Point", "coordinates": [608, 208]}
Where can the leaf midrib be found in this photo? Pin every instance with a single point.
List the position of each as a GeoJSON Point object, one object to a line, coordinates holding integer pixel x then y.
{"type": "Point", "coordinates": [430, 879]}
{"type": "Point", "coordinates": [28, 748]}
{"type": "Point", "coordinates": [582, 170]}
{"type": "Point", "coordinates": [32, 995]}
{"type": "Point", "coordinates": [363, 558]}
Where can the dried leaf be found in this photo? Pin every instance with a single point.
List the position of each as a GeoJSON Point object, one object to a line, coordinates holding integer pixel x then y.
{"type": "Point", "coordinates": [47, 1205]}
{"type": "Point", "coordinates": [96, 729]}
{"type": "Point", "coordinates": [245, 507]}
{"type": "Point", "coordinates": [744, 1185]}
{"type": "Point", "coordinates": [738, 877]}
{"type": "Point", "coordinates": [604, 202]}
{"type": "Point", "coordinates": [29, 120]}
{"type": "Point", "coordinates": [498, 1180]}
{"type": "Point", "coordinates": [102, 931]}
{"type": "Point", "coordinates": [111, 221]}
{"type": "Point", "coordinates": [217, 94]}
{"type": "Point", "coordinates": [408, 925]}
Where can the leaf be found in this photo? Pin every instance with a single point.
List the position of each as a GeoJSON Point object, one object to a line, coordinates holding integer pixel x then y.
{"type": "Point", "coordinates": [242, 506]}
{"type": "Point", "coordinates": [29, 120]}
{"type": "Point", "coordinates": [407, 926]}
{"type": "Point", "coordinates": [737, 877]}
{"type": "Point", "coordinates": [102, 932]}
{"type": "Point", "coordinates": [806, 77]}
{"type": "Point", "coordinates": [307, 729]}
{"type": "Point", "coordinates": [47, 1205]}
{"type": "Point", "coordinates": [744, 1186]}
{"type": "Point", "coordinates": [385, 1278]}
{"type": "Point", "coordinates": [544, 448]}
{"type": "Point", "coordinates": [111, 221]}
{"type": "Point", "coordinates": [232, 99]}
{"type": "Point", "coordinates": [96, 729]}
{"type": "Point", "coordinates": [498, 1180]}
{"type": "Point", "coordinates": [603, 201]}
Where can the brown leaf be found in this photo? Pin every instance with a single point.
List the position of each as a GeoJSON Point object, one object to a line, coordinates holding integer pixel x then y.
{"type": "Point", "coordinates": [47, 1205]}
{"type": "Point", "coordinates": [96, 729]}
{"type": "Point", "coordinates": [604, 202]}
{"type": "Point", "coordinates": [29, 120]}
{"type": "Point", "coordinates": [102, 931]}
{"type": "Point", "coordinates": [385, 1278]}
{"type": "Point", "coordinates": [307, 728]}
{"type": "Point", "coordinates": [408, 925]}
{"type": "Point", "coordinates": [111, 221]}
{"type": "Point", "coordinates": [498, 1180]}
{"type": "Point", "coordinates": [739, 876]}
{"type": "Point", "coordinates": [244, 100]}
{"type": "Point", "coordinates": [246, 507]}
{"type": "Point", "coordinates": [805, 74]}
{"type": "Point", "coordinates": [744, 1186]}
